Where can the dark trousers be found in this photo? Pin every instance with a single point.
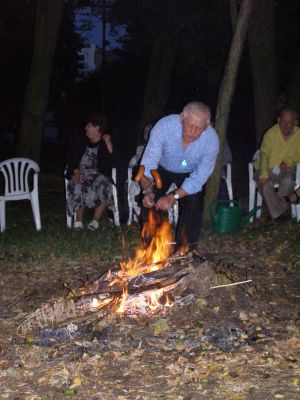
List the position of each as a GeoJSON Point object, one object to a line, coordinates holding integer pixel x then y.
{"type": "Point", "coordinates": [190, 209]}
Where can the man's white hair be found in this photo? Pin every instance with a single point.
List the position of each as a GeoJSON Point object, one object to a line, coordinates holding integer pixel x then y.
{"type": "Point", "coordinates": [196, 107]}
{"type": "Point", "coordinates": [288, 110]}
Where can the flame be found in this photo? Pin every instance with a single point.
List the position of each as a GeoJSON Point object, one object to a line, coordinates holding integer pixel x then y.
{"type": "Point", "coordinates": [122, 306]}
{"type": "Point", "coordinates": [95, 303]}
{"type": "Point", "coordinates": [183, 249]}
{"type": "Point", "coordinates": [146, 302]}
{"type": "Point", "coordinates": [154, 297]}
{"type": "Point", "coordinates": [168, 303]}
{"type": "Point", "coordinates": [151, 255]}
{"type": "Point", "coordinates": [155, 247]}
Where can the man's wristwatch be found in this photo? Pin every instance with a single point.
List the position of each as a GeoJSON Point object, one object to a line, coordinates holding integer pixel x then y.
{"type": "Point", "coordinates": [175, 195]}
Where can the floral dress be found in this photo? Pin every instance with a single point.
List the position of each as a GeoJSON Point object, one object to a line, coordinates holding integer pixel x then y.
{"type": "Point", "coordinates": [92, 191]}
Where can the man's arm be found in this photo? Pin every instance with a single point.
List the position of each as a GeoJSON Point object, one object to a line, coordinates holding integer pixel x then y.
{"type": "Point", "coordinates": [265, 152]}
{"type": "Point", "coordinates": [150, 160]}
{"type": "Point", "coordinates": [153, 150]}
{"type": "Point", "coordinates": [198, 178]}
{"type": "Point", "coordinates": [167, 201]}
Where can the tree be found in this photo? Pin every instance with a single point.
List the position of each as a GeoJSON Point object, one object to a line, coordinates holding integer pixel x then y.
{"type": "Point", "coordinates": [261, 38]}
{"type": "Point", "coordinates": [16, 38]}
{"type": "Point", "coordinates": [47, 25]}
{"type": "Point", "coordinates": [162, 25]}
{"type": "Point", "coordinates": [166, 28]}
{"type": "Point", "coordinates": [225, 96]}
{"type": "Point", "coordinates": [287, 15]}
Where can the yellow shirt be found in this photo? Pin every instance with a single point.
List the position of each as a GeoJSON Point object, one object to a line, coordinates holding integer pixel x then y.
{"type": "Point", "coordinates": [275, 149]}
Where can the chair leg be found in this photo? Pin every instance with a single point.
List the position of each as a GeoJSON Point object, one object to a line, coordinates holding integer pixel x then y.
{"type": "Point", "coordinates": [230, 193]}
{"type": "Point", "coordinates": [258, 203]}
{"type": "Point", "coordinates": [69, 221]}
{"type": "Point", "coordinates": [115, 196]}
{"type": "Point", "coordinates": [136, 211]}
{"type": "Point", "coordinates": [251, 198]}
{"type": "Point", "coordinates": [170, 216]}
{"type": "Point", "coordinates": [116, 218]}
{"type": "Point", "coordinates": [229, 182]}
{"type": "Point", "coordinates": [176, 212]}
{"type": "Point", "coordinates": [297, 211]}
{"type": "Point", "coordinates": [293, 211]}
{"type": "Point", "coordinates": [2, 216]}
{"type": "Point", "coordinates": [116, 212]}
{"type": "Point", "coordinates": [129, 214]}
{"type": "Point", "coordinates": [36, 210]}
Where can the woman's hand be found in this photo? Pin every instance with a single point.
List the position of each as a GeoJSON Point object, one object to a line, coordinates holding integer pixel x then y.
{"type": "Point", "coordinates": [78, 176]}
{"type": "Point", "coordinates": [108, 142]}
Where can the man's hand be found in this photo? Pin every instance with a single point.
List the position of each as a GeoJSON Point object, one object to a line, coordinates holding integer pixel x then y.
{"type": "Point", "coordinates": [148, 200]}
{"type": "Point", "coordinates": [78, 176]}
{"type": "Point", "coordinates": [263, 181]}
{"type": "Point", "coordinates": [165, 202]}
{"type": "Point", "coordinates": [283, 165]}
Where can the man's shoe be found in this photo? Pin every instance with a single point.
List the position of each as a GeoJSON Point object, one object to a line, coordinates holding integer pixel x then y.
{"type": "Point", "coordinates": [294, 196]}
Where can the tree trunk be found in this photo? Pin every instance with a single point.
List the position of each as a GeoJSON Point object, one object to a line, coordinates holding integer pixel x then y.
{"type": "Point", "coordinates": [233, 13]}
{"type": "Point", "coordinates": [103, 71]}
{"type": "Point", "coordinates": [48, 20]}
{"type": "Point", "coordinates": [225, 96]}
{"type": "Point", "coordinates": [263, 63]}
{"type": "Point", "coordinates": [158, 81]}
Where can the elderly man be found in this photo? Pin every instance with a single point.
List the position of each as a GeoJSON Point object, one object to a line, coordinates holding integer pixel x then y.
{"type": "Point", "coordinates": [183, 149]}
{"type": "Point", "coordinates": [279, 154]}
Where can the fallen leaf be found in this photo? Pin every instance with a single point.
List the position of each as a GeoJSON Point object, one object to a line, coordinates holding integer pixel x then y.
{"type": "Point", "coordinates": [160, 326]}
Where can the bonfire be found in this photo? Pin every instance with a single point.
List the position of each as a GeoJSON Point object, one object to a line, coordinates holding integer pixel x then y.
{"type": "Point", "coordinates": [146, 284]}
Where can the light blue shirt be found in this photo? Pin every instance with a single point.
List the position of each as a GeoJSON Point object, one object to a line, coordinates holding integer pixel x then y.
{"type": "Point", "coordinates": [165, 148]}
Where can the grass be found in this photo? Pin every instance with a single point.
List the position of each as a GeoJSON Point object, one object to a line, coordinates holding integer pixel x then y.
{"type": "Point", "coordinates": [22, 243]}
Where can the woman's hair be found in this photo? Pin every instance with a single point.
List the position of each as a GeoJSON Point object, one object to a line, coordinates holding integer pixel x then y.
{"type": "Point", "coordinates": [97, 119]}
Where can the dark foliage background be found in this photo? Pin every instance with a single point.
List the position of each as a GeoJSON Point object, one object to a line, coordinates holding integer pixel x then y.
{"type": "Point", "coordinates": [201, 43]}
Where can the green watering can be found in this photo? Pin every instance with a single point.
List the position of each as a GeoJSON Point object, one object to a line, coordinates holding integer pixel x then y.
{"type": "Point", "coordinates": [228, 215]}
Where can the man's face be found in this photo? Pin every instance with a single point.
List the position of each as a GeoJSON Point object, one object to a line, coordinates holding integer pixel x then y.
{"type": "Point", "coordinates": [287, 123]}
{"type": "Point", "coordinates": [193, 126]}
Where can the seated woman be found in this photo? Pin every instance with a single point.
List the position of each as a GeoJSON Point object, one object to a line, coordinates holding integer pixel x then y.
{"type": "Point", "coordinates": [89, 170]}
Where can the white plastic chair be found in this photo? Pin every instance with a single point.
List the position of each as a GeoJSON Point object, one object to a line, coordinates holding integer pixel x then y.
{"type": "Point", "coordinates": [296, 207]}
{"type": "Point", "coordinates": [133, 190]}
{"type": "Point", "coordinates": [255, 198]}
{"type": "Point", "coordinates": [16, 172]}
{"type": "Point", "coordinates": [71, 219]}
{"type": "Point", "coordinates": [229, 181]}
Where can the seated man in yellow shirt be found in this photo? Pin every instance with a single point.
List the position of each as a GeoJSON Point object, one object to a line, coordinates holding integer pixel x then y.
{"type": "Point", "coordinates": [279, 154]}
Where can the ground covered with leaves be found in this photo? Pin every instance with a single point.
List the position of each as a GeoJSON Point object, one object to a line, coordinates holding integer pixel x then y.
{"type": "Point", "coordinates": [239, 342]}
